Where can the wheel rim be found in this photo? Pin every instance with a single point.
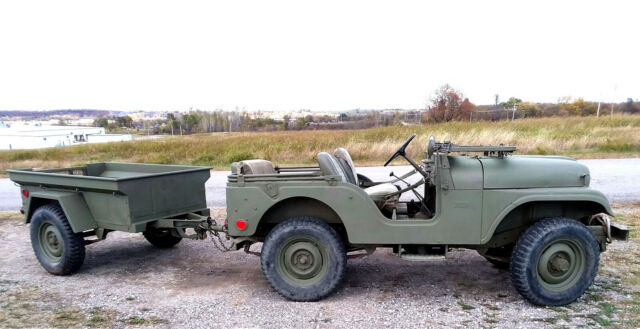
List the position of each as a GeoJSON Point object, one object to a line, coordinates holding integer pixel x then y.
{"type": "Point", "coordinates": [302, 261]}
{"type": "Point", "coordinates": [561, 265]}
{"type": "Point", "coordinates": [51, 242]}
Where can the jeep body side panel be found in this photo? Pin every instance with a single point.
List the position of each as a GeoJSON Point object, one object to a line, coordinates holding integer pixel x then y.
{"type": "Point", "coordinates": [466, 173]}
{"type": "Point", "coordinates": [457, 221]}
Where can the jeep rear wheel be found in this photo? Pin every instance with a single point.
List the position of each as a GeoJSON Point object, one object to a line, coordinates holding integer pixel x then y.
{"type": "Point", "coordinates": [59, 250]}
{"type": "Point", "coordinates": [555, 261]}
{"type": "Point", "coordinates": [303, 259]}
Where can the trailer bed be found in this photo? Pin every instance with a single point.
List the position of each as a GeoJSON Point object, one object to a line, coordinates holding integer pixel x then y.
{"type": "Point", "coordinates": [122, 196]}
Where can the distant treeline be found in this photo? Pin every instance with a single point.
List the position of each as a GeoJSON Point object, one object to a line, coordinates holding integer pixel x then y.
{"type": "Point", "coordinates": [449, 104]}
{"type": "Point", "coordinates": [222, 121]}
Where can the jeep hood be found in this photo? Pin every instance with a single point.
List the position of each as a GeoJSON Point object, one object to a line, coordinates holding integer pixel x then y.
{"type": "Point", "coordinates": [533, 172]}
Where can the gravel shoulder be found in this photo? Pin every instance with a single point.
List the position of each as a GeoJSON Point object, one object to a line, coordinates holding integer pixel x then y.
{"type": "Point", "coordinates": [125, 283]}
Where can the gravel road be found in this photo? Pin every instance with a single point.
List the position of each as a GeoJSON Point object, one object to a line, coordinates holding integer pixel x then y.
{"type": "Point", "coordinates": [125, 283]}
{"type": "Point", "coordinates": [618, 179]}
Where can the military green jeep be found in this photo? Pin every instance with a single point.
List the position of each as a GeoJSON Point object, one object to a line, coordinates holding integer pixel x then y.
{"type": "Point", "coordinates": [533, 215]}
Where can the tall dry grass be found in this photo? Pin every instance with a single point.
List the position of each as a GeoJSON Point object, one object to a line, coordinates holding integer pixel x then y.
{"type": "Point", "coordinates": [581, 137]}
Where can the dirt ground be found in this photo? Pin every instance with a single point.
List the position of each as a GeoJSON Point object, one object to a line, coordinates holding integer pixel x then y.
{"type": "Point", "coordinates": [125, 283]}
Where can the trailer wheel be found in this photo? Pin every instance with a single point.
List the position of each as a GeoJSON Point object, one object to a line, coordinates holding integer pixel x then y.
{"type": "Point", "coordinates": [303, 259]}
{"type": "Point", "coordinates": [161, 238]}
{"type": "Point", "coordinates": [554, 261]}
{"type": "Point", "coordinates": [59, 250]}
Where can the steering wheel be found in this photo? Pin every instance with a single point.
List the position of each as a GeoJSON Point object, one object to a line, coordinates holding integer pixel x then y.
{"type": "Point", "coordinates": [401, 150]}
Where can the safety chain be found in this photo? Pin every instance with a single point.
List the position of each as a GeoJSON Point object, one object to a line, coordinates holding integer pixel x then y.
{"type": "Point", "coordinates": [220, 245]}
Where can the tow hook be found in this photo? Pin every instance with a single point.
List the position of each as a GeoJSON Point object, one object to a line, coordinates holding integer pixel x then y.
{"type": "Point", "coordinates": [611, 230]}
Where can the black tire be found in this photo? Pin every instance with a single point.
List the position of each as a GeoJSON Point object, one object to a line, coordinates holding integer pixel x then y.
{"type": "Point", "coordinates": [59, 250]}
{"type": "Point", "coordinates": [575, 251]}
{"type": "Point", "coordinates": [161, 238]}
{"type": "Point", "coordinates": [303, 241]}
{"type": "Point", "coordinates": [499, 257]}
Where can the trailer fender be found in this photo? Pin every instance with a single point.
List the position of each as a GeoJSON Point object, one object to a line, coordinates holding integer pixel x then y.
{"type": "Point", "coordinates": [72, 203]}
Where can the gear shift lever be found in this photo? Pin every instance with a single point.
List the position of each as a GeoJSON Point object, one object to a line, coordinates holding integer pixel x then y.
{"type": "Point", "coordinates": [423, 204]}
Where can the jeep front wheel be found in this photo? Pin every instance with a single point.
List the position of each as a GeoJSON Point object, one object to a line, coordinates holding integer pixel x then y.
{"type": "Point", "coordinates": [303, 259]}
{"type": "Point", "coordinates": [555, 261]}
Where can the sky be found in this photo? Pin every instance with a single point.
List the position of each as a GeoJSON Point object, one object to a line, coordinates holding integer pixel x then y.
{"type": "Point", "coordinates": [318, 55]}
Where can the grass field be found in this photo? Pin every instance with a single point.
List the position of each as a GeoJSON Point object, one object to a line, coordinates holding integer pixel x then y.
{"type": "Point", "coordinates": [580, 137]}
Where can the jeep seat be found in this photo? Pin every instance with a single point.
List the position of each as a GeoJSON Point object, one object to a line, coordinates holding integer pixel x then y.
{"type": "Point", "coordinates": [344, 159]}
{"type": "Point", "coordinates": [255, 167]}
{"type": "Point", "coordinates": [330, 166]}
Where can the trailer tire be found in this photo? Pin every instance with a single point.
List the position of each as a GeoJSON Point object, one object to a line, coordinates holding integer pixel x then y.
{"type": "Point", "coordinates": [161, 238]}
{"type": "Point", "coordinates": [554, 261]}
{"type": "Point", "coordinates": [59, 250]}
{"type": "Point", "coordinates": [303, 259]}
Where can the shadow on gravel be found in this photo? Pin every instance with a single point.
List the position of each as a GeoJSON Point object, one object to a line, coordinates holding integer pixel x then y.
{"type": "Point", "coordinates": [464, 275]}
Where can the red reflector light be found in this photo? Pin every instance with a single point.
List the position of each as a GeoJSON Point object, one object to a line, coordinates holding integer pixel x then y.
{"type": "Point", "coordinates": [241, 224]}
{"type": "Point", "coordinates": [25, 193]}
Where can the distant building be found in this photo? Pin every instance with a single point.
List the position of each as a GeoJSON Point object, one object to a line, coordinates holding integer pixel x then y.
{"type": "Point", "coordinates": [34, 137]}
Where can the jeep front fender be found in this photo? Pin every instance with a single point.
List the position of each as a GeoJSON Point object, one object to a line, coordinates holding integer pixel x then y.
{"type": "Point", "coordinates": [498, 204]}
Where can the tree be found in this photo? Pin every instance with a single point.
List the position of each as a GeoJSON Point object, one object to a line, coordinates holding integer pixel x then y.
{"type": "Point", "coordinates": [190, 121]}
{"type": "Point", "coordinates": [529, 110]}
{"type": "Point", "coordinates": [588, 108]}
{"type": "Point", "coordinates": [285, 124]}
{"type": "Point", "coordinates": [466, 108]}
{"type": "Point", "coordinates": [447, 105]}
{"type": "Point", "coordinates": [570, 109]}
{"type": "Point", "coordinates": [100, 122]}
{"type": "Point", "coordinates": [300, 123]}
{"type": "Point", "coordinates": [125, 121]}
{"type": "Point", "coordinates": [511, 103]}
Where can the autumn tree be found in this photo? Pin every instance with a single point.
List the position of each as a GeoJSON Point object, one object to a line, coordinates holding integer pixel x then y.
{"type": "Point", "coordinates": [449, 104]}
{"type": "Point", "coordinates": [529, 110]}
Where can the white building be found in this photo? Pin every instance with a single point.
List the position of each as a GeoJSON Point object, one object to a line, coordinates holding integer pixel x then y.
{"type": "Point", "coordinates": [34, 137]}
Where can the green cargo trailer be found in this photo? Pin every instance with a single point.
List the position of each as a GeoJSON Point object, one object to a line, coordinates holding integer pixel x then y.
{"type": "Point", "coordinates": [69, 204]}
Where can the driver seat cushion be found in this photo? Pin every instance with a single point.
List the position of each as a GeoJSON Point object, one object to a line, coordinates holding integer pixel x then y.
{"type": "Point", "coordinates": [380, 195]}
{"type": "Point", "coordinates": [344, 158]}
{"type": "Point", "coordinates": [381, 190]}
